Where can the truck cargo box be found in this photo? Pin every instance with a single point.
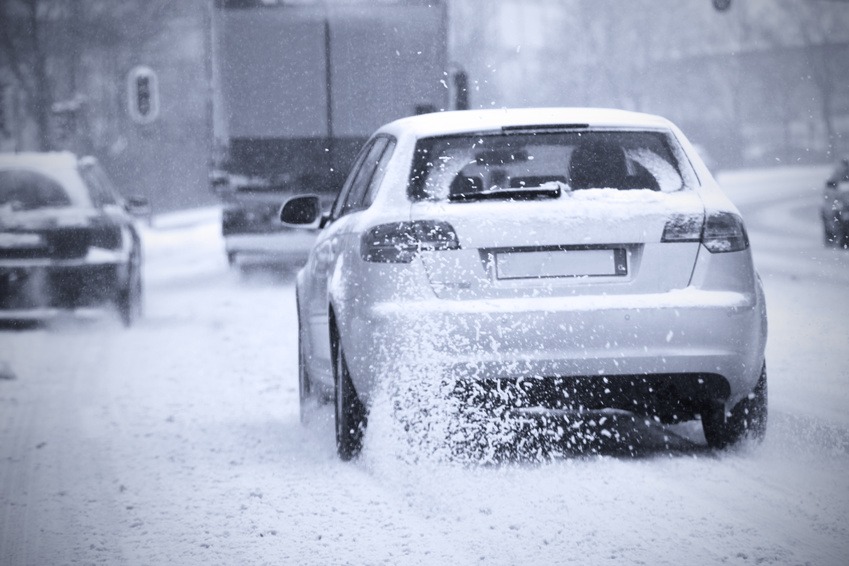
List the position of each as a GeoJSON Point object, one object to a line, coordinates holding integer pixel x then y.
{"type": "Point", "coordinates": [299, 87]}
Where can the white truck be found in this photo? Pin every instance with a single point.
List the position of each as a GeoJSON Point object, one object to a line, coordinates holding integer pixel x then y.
{"type": "Point", "coordinates": [297, 89]}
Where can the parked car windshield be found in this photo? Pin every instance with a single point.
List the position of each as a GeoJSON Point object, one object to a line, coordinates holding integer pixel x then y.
{"type": "Point", "coordinates": [460, 166]}
{"type": "Point", "coordinates": [22, 189]}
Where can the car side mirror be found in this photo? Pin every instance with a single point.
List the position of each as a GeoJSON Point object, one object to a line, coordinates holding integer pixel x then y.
{"type": "Point", "coordinates": [301, 212]}
{"type": "Point", "coordinates": [138, 206]}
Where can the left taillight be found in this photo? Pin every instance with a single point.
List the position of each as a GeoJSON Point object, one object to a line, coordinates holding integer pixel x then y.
{"type": "Point", "coordinates": [399, 242]}
{"type": "Point", "coordinates": [683, 228]}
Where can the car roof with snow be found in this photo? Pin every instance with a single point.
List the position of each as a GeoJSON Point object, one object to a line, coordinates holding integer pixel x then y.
{"type": "Point", "coordinates": [467, 121]}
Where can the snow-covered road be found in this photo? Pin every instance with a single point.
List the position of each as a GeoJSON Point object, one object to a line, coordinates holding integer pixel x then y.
{"type": "Point", "coordinates": [178, 441]}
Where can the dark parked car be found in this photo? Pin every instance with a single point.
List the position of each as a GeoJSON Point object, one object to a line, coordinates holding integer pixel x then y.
{"type": "Point", "coordinates": [67, 238]}
{"type": "Point", "coordinates": [835, 206]}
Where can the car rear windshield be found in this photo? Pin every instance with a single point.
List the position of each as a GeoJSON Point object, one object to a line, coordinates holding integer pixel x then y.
{"type": "Point", "coordinates": [29, 190]}
{"type": "Point", "coordinates": [459, 167]}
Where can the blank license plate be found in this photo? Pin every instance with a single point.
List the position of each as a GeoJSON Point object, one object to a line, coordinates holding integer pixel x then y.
{"type": "Point", "coordinates": [560, 263]}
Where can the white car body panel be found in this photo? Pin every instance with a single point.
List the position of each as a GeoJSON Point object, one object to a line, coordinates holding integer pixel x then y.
{"type": "Point", "coordinates": [679, 309]}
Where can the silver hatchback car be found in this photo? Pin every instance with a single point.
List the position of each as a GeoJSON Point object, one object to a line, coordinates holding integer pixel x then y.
{"type": "Point", "coordinates": [552, 260]}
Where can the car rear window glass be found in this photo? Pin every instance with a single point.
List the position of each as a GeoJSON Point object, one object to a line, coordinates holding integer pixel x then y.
{"type": "Point", "coordinates": [30, 190]}
{"type": "Point", "coordinates": [445, 167]}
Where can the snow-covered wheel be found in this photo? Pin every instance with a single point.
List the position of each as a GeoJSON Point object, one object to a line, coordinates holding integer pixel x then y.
{"type": "Point", "coordinates": [350, 412]}
{"type": "Point", "coordinates": [827, 236]}
{"type": "Point", "coordinates": [841, 236]}
{"type": "Point", "coordinates": [304, 385]}
{"type": "Point", "coordinates": [129, 300]}
{"type": "Point", "coordinates": [747, 419]}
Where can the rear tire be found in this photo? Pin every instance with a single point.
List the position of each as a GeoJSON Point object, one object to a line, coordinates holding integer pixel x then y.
{"type": "Point", "coordinates": [747, 419]}
{"type": "Point", "coordinates": [842, 236]}
{"type": "Point", "coordinates": [827, 236]}
{"type": "Point", "coordinates": [350, 412]}
{"type": "Point", "coordinates": [304, 384]}
{"type": "Point", "coordinates": [130, 298]}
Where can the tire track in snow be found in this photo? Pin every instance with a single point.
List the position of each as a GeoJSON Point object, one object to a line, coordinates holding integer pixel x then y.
{"type": "Point", "coordinates": [16, 447]}
{"type": "Point", "coordinates": [55, 458]}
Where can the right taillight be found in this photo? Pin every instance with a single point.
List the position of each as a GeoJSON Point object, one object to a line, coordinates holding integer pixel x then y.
{"type": "Point", "coordinates": [724, 232]}
{"type": "Point", "coordinates": [107, 237]}
{"type": "Point", "coordinates": [399, 242]}
{"type": "Point", "coordinates": [719, 232]}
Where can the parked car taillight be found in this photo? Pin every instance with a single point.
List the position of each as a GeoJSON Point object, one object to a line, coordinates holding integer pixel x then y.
{"type": "Point", "coordinates": [106, 237]}
{"type": "Point", "coordinates": [720, 232]}
{"type": "Point", "coordinates": [399, 242]}
{"type": "Point", "coordinates": [724, 232]}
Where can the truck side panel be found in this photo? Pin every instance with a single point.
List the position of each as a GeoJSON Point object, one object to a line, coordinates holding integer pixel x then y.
{"type": "Point", "coordinates": [272, 65]}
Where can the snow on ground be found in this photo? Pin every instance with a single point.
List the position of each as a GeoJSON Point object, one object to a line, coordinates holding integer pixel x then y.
{"type": "Point", "coordinates": [178, 441]}
{"type": "Point", "coordinates": [806, 288]}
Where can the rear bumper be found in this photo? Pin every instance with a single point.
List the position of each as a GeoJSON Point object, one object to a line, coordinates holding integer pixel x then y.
{"type": "Point", "coordinates": [36, 288]}
{"type": "Point", "coordinates": [292, 246]}
{"type": "Point", "coordinates": [46, 314]}
{"type": "Point", "coordinates": [681, 333]}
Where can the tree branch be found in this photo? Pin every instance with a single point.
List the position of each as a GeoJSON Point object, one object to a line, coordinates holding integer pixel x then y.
{"type": "Point", "coordinates": [10, 50]}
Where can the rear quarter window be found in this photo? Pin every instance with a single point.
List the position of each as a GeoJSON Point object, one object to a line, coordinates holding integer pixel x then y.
{"type": "Point", "coordinates": [28, 190]}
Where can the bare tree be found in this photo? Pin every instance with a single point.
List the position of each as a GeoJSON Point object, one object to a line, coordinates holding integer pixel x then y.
{"type": "Point", "coordinates": [816, 30]}
{"type": "Point", "coordinates": [26, 55]}
{"type": "Point", "coordinates": [820, 29]}
{"type": "Point", "coordinates": [43, 41]}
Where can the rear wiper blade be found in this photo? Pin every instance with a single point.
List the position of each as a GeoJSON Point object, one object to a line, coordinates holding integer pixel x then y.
{"type": "Point", "coordinates": [549, 190]}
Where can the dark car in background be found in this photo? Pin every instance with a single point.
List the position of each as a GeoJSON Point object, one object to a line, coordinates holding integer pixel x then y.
{"type": "Point", "coordinates": [68, 239]}
{"type": "Point", "coordinates": [835, 206]}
